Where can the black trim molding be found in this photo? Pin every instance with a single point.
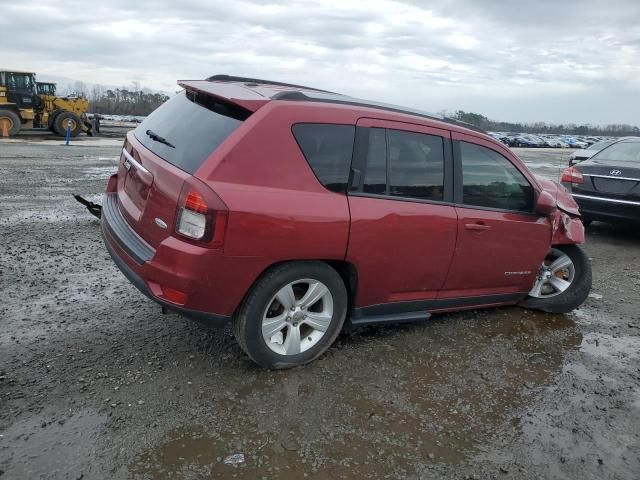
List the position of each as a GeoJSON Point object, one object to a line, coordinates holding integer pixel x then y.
{"type": "Point", "coordinates": [419, 310]}
{"type": "Point", "coordinates": [122, 233]}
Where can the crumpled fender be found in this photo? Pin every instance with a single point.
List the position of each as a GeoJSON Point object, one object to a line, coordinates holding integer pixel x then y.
{"type": "Point", "coordinates": [566, 229]}
{"type": "Point", "coordinates": [566, 224]}
{"type": "Point", "coordinates": [564, 200]}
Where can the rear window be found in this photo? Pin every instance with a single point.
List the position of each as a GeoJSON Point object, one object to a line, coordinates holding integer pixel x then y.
{"type": "Point", "coordinates": [195, 124]}
{"type": "Point", "coordinates": [328, 149]}
{"type": "Point", "coordinates": [623, 153]}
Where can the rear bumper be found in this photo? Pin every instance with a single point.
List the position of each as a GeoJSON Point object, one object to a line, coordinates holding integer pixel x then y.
{"type": "Point", "coordinates": [134, 259]}
{"type": "Point", "coordinates": [607, 209]}
{"type": "Point", "coordinates": [210, 319]}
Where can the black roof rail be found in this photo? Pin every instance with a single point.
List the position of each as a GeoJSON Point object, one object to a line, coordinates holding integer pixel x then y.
{"type": "Point", "coordinates": [258, 81]}
{"type": "Point", "coordinates": [345, 100]}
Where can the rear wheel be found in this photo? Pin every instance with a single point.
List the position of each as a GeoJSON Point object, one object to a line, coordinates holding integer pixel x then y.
{"type": "Point", "coordinates": [9, 122]}
{"type": "Point", "coordinates": [63, 119]}
{"type": "Point", "coordinates": [292, 315]}
{"type": "Point", "coordinates": [563, 282]}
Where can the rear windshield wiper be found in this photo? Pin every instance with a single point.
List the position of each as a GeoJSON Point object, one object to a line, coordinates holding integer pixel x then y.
{"type": "Point", "coordinates": [154, 136]}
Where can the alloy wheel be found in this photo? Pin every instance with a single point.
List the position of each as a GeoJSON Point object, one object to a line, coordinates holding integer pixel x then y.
{"type": "Point", "coordinates": [555, 275]}
{"type": "Point", "coordinates": [297, 316]}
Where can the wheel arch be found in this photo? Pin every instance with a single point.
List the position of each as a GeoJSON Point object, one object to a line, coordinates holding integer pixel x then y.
{"type": "Point", "coordinates": [12, 107]}
{"type": "Point", "coordinates": [347, 271]}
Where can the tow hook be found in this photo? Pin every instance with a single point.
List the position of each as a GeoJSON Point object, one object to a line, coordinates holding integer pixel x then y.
{"type": "Point", "coordinates": [94, 208]}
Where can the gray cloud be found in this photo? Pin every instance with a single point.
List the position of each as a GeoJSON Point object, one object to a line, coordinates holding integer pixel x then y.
{"type": "Point", "coordinates": [518, 60]}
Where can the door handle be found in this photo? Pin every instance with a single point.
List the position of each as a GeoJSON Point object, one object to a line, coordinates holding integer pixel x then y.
{"type": "Point", "coordinates": [479, 226]}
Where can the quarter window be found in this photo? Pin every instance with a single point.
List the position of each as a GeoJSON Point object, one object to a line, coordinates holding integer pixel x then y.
{"type": "Point", "coordinates": [328, 149]}
{"type": "Point", "coordinates": [490, 180]}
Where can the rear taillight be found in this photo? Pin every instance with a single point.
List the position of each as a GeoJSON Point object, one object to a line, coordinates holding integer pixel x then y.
{"type": "Point", "coordinates": [202, 215]}
{"type": "Point", "coordinates": [571, 175]}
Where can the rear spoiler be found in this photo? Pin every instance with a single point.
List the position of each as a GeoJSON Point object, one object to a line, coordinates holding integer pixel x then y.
{"type": "Point", "coordinates": [256, 82]}
{"type": "Point", "coordinates": [227, 92]}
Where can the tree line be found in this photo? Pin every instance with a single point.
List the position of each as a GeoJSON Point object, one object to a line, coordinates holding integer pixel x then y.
{"type": "Point", "coordinates": [133, 100]}
{"type": "Point", "coordinates": [614, 130]}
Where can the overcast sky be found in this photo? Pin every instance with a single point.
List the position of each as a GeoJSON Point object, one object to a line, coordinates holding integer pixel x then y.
{"type": "Point", "coordinates": [549, 60]}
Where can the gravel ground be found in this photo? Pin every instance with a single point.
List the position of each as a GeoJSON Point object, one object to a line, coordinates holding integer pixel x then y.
{"type": "Point", "coordinates": [95, 382]}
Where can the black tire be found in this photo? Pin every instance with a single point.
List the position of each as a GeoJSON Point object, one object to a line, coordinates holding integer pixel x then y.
{"type": "Point", "coordinates": [247, 322]}
{"type": "Point", "coordinates": [52, 119]}
{"type": "Point", "coordinates": [576, 294]}
{"type": "Point", "coordinates": [60, 123]}
{"type": "Point", "coordinates": [14, 123]}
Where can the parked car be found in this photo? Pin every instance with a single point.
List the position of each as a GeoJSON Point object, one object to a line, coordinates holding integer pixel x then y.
{"type": "Point", "coordinates": [522, 141]}
{"type": "Point", "coordinates": [607, 185]}
{"type": "Point", "coordinates": [580, 155]}
{"type": "Point", "coordinates": [574, 142]}
{"type": "Point", "coordinates": [555, 142]}
{"type": "Point", "coordinates": [289, 211]}
{"type": "Point", "coordinates": [500, 137]}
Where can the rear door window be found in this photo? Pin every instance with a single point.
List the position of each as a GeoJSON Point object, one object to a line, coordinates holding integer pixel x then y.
{"type": "Point", "coordinates": [375, 178]}
{"type": "Point", "coordinates": [416, 165]}
{"type": "Point", "coordinates": [328, 149]}
{"type": "Point", "coordinates": [404, 164]}
{"type": "Point", "coordinates": [195, 124]}
{"type": "Point", "coordinates": [490, 180]}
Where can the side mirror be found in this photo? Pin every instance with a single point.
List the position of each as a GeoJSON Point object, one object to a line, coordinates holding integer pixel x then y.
{"type": "Point", "coordinates": [546, 204]}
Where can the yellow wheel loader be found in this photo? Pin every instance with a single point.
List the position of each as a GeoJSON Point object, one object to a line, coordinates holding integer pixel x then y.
{"type": "Point", "coordinates": [25, 103]}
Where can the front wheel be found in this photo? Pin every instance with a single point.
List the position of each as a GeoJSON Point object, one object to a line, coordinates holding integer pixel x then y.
{"type": "Point", "coordinates": [65, 119]}
{"type": "Point", "coordinates": [292, 315]}
{"type": "Point", "coordinates": [563, 282]}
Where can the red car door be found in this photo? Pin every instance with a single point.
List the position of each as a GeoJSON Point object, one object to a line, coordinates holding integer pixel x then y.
{"type": "Point", "coordinates": [501, 241]}
{"type": "Point", "coordinates": [403, 226]}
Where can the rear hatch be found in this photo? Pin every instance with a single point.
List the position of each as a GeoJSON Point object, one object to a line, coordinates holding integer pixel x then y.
{"type": "Point", "coordinates": [166, 149]}
{"type": "Point", "coordinates": [612, 173]}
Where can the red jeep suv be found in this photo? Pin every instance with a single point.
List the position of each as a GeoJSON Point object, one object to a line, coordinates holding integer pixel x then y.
{"type": "Point", "coordinates": [289, 211]}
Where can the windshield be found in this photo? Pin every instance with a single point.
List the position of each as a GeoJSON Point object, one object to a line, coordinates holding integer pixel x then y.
{"type": "Point", "coordinates": [20, 81]}
{"type": "Point", "coordinates": [46, 89]}
{"type": "Point", "coordinates": [185, 130]}
{"type": "Point", "coordinates": [620, 153]}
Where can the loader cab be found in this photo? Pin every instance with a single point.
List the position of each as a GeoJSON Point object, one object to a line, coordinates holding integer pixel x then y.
{"type": "Point", "coordinates": [48, 89]}
{"type": "Point", "coordinates": [21, 89]}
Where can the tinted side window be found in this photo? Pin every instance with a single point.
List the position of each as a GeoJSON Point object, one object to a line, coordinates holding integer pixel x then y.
{"type": "Point", "coordinates": [328, 149]}
{"type": "Point", "coordinates": [375, 178]}
{"type": "Point", "coordinates": [490, 180]}
{"type": "Point", "coordinates": [416, 165]}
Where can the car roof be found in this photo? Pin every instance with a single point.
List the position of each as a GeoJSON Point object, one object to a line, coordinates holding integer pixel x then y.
{"type": "Point", "coordinates": [252, 93]}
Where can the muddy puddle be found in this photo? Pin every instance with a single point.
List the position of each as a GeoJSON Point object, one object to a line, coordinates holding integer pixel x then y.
{"type": "Point", "coordinates": [384, 402]}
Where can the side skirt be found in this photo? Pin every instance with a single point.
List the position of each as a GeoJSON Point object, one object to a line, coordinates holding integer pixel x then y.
{"type": "Point", "coordinates": [399, 312]}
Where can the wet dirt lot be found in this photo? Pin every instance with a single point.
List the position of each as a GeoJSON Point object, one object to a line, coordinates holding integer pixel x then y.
{"type": "Point", "coordinates": [96, 383]}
